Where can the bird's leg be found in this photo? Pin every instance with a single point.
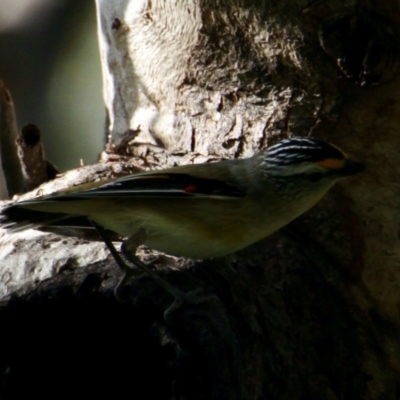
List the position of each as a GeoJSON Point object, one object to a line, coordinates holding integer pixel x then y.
{"type": "Point", "coordinates": [125, 249]}
{"type": "Point", "coordinates": [173, 314]}
{"type": "Point", "coordinates": [193, 297]}
{"type": "Point", "coordinates": [127, 270]}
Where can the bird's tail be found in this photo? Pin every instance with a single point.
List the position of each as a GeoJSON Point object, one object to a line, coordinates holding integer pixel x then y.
{"type": "Point", "coordinates": [16, 218]}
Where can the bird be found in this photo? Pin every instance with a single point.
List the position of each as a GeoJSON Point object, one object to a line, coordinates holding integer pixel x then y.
{"type": "Point", "coordinates": [197, 211]}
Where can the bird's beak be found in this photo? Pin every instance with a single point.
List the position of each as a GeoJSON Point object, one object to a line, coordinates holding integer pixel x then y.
{"type": "Point", "coordinates": [351, 168]}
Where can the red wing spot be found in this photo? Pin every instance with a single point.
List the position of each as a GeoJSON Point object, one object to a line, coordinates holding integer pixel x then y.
{"type": "Point", "coordinates": [190, 188]}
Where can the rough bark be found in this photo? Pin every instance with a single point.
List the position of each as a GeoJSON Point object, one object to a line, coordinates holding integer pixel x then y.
{"type": "Point", "coordinates": [11, 180]}
{"type": "Point", "coordinates": [309, 313]}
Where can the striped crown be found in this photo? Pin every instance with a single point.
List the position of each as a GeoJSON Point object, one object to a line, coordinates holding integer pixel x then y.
{"type": "Point", "coordinates": [303, 155]}
{"type": "Point", "coordinates": [302, 149]}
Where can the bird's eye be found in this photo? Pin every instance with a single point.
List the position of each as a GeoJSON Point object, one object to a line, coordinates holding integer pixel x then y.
{"type": "Point", "coordinates": [316, 177]}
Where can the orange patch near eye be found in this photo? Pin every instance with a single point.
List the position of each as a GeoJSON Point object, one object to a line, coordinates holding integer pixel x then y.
{"type": "Point", "coordinates": [332, 163]}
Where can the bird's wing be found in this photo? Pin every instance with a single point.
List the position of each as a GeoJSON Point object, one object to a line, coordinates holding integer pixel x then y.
{"type": "Point", "coordinates": [22, 215]}
{"type": "Point", "coordinates": [155, 184]}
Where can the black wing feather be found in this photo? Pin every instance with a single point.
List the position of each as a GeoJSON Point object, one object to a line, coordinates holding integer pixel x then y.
{"type": "Point", "coordinates": [16, 217]}
{"type": "Point", "coordinates": [165, 185]}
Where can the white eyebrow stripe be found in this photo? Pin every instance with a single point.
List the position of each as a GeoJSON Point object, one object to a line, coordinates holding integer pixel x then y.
{"type": "Point", "coordinates": [273, 151]}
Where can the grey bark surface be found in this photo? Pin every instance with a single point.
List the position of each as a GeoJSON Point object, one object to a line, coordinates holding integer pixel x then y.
{"type": "Point", "coordinates": [311, 312]}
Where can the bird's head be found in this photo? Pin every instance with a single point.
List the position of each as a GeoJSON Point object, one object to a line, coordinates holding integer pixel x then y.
{"type": "Point", "coordinates": [301, 164]}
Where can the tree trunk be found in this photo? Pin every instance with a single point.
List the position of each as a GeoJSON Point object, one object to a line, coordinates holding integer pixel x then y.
{"type": "Point", "coordinates": [309, 313]}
